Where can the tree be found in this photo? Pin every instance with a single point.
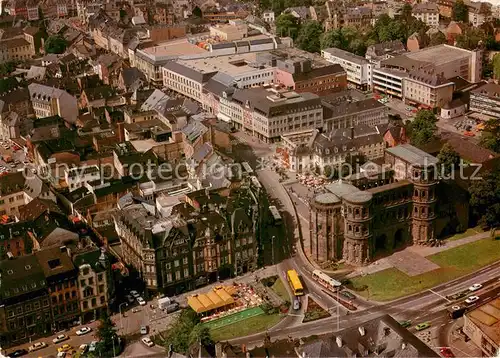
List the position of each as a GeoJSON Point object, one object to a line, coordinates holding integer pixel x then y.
{"type": "Point", "coordinates": [437, 38]}
{"type": "Point", "coordinates": [490, 137]}
{"type": "Point", "coordinates": [496, 66]}
{"type": "Point", "coordinates": [485, 198]}
{"type": "Point", "coordinates": [181, 334]}
{"type": "Point", "coordinates": [406, 11]}
{"type": "Point", "coordinates": [197, 12]}
{"type": "Point", "coordinates": [287, 25]}
{"type": "Point", "coordinates": [55, 44]}
{"type": "Point", "coordinates": [7, 68]}
{"type": "Point", "coordinates": [309, 36]}
{"type": "Point", "coordinates": [423, 127]}
{"type": "Point", "coordinates": [459, 12]}
{"type": "Point", "coordinates": [109, 343]}
{"type": "Point", "coordinates": [332, 38]}
{"type": "Point", "coordinates": [448, 159]}
{"type": "Point", "coordinates": [200, 334]}
{"type": "Point", "coordinates": [470, 39]}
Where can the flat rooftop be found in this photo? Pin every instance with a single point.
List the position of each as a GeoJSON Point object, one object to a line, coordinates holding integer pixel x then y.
{"type": "Point", "coordinates": [487, 318]}
{"type": "Point", "coordinates": [439, 55]}
{"type": "Point", "coordinates": [172, 49]}
{"type": "Point", "coordinates": [233, 65]}
{"type": "Point", "coordinates": [412, 155]}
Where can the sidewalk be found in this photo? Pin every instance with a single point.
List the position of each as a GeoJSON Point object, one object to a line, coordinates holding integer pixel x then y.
{"type": "Point", "coordinates": [424, 251]}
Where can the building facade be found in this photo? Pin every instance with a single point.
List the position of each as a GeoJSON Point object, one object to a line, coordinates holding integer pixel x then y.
{"type": "Point", "coordinates": [486, 100]}
{"type": "Point", "coordinates": [359, 69]}
{"type": "Point", "coordinates": [427, 12]}
{"type": "Point", "coordinates": [428, 89]}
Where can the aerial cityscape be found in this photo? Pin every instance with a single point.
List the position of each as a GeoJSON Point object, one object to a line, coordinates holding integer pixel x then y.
{"type": "Point", "coordinates": [268, 178]}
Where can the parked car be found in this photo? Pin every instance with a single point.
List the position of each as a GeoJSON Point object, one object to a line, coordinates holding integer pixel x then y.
{"type": "Point", "coordinates": [422, 326]}
{"type": "Point", "coordinates": [405, 324]}
{"type": "Point", "coordinates": [37, 346]}
{"type": "Point", "coordinates": [475, 287]}
{"type": "Point", "coordinates": [172, 307]}
{"type": "Point", "coordinates": [471, 299]}
{"type": "Point", "coordinates": [60, 338]}
{"type": "Point", "coordinates": [130, 299]}
{"type": "Point", "coordinates": [82, 331]}
{"type": "Point", "coordinates": [141, 301]}
{"type": "Point", "coordinates": [18, 353]}
{"type": "Point", "coordinates": [446, 352]}
{"type": "Point", "coordinates": [61, 354]}
{"type": "Point", "coordinates": [93, 346]}
{"type": "Point", "coordinates": [148, 342]}
{"type": "Point", "coordinates": [83, 348]}
{"type": "Point", "coordinates": [296, 304]}
{"type": "Point", "coordinates": [144, 329]}
{"type": "Point", "coordinates": [65, 348]}
{"type": "Point", "coordinates": [134, 294]}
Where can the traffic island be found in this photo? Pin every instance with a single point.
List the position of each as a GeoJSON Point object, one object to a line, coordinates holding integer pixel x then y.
{"type": "Point", "coordinates": [314, 311]}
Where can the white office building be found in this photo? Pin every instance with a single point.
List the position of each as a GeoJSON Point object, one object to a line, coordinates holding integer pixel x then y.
{"type": "Point", "coordinates": [359, 69]}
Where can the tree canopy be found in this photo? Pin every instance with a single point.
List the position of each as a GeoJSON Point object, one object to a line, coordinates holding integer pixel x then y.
{"type": "Point", "coordinates": [437, 38]}
{"type": "Point", "coordinates": [470, 39]}
{"type": "Point", "coordinates": [6, 68]}
{"type": "Point", "coordinates": [55, 44]}
{"type": "Point", "coordinates": [490, 137]}
{"type": "Point", "coordinates": [109, 343]}
{"type": "Point", "coordinates": [309, 35]}
{"type": "Point", "coordinates": [197, 12]}
{"type": "Point", "coordinates": [485, 198]}
{"type": "Point", "coordinates": [496, 66]}
{"type": "Point", "coordinates": [448, 159]}
{"type": "Point", "coordinates": [287, 25]}
{"type": "Point", "coordinates": [423, 127]}
{"type": "Point", "coordinates": [459, 12]}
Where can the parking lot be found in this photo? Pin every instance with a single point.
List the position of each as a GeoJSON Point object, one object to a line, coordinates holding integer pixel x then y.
{"type": "Point", "coordinates": [12, 158]}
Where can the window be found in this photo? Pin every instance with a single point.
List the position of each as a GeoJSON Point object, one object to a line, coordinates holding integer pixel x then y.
{"type": "Point", "coordinates": [99, 277]}
{"type": "Point", "coordinates": [102, 300]}
{"type": "Point", "coordinates": [168, 265]}
{"type": "Point", "coordinates": [101, 288]}
{"type": "Point", "coordinates": [85, 305]}
{"type": "Point", "coordinates": [82, 283]}
{"type": "Point", "coordinates": [185, 261]}
{"type": "Point", "coordinates": [11, 200]}
{"type": "Point", "coordinates": [177, 275]}
{"type": "Point", "coordinates": [91, 280]}
{"type": "Point", "coordinates": [176, 263]}
{"type": "Point", "coordinates": [94, 302]}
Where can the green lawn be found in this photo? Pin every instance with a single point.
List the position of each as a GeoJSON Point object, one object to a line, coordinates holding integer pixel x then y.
{"type": "Point", "coordinates": [391, 283]}
{"type": "Point", "coordinates": [280, 289]}
{"type": "Point", "coordinates": [469, 232]}
{"type": "Point", "coordinates": [249, 326]}
{"type": "Point", "coordinates": [234, 318]}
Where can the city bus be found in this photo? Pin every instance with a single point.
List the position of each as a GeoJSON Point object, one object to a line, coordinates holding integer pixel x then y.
{"type": "Point", "coordinates": [295, 284]}
{"type": "Point", "coordinates": [276, 214]}
{"type": "Point", "coordinates": [325, 280]}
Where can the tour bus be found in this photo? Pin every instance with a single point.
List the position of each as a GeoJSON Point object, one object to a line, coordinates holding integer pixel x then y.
{"type": "Point", "coordinates": [295, 284]}
{"type": "Point", "coordinates": [276, 214]}
{"type": "Point", "coordinates": [325, 280]}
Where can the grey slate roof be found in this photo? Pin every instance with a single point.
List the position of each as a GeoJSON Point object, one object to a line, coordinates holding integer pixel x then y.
{"type": "Point", "coordinates": [412, 155]}
{"type": "Point", "coordinates": [188, 72]}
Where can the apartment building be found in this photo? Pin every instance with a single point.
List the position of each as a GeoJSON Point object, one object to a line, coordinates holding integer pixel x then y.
{"type": "Point", "coordinates": [482, 326]}
{"type": "Point", "coordinates": [267, 113]}
{"type": "Point", "coordinates": [50, 101]}
{"type": "Point", "coordinates": [486, 100]}
{"type": "Point", "coordinates": [427, 12]}
{"type": "Point", "coordinates": [479, 13]}
{"type": "Point", "coordinates": [389, 81]}
{"type": "Point", "coordinates": [339, 17]}
{"type": "Point", "coordinates": [25, 313]}
{"type": "Point", "coordinates": [95, 282]}
{"type": "Point", "coordinates": [359, 69]}
{"type": "Point", "coordinates": [427, 88]}
{"type": "Point", "coordinates": [60, 275]}
{"type": "Point", "coordinates": [18, 189]}
{"type": "Point", "coordinates": [15, 49]}
{"type": "Point", "coordinates": [78, 177]}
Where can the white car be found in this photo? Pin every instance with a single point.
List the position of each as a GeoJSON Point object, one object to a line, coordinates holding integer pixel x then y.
{"type": "Point", "coordinates": [37, 346]}
{"type": "Point", "coordinates": [60, 338]}
{"type": "Point", "coordinates": [471, 299]}
{"type": "Point", "coordinates": [147, 341]}
{"type": "Point", "coordinates": [83, 348]}
{"type": "Point", "coordinates": [475, 287]}
{"type": "Point", "coordinates": [141, 301]}
{"type": "Point", "coordinates": [134, 294]}
{"type": "Point", "coordinates": [92, 346]}
{"type": "Point", "coordinates": [144, 330]}
{"type": "Point", "coordinates": [61, 354]}
{"type": "Point", "coordinates": [83, 330]}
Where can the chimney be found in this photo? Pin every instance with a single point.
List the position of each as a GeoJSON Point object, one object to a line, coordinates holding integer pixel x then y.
{"type": "Point", "coordinates": [62, 248]}
{"type": "Point", "coordinates": [121, 132]}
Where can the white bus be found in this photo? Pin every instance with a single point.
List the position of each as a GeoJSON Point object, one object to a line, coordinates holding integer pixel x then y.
{"type": "Point", "coordinates": [325, 280]}
{"type": "Point", "coordinates": [276, 214]}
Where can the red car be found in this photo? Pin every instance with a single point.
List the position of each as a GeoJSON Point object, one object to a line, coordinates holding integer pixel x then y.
{"type": "Point", "coordinates": [446, 352]}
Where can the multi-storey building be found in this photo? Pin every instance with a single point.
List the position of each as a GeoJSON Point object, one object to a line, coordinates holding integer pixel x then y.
{"type": "Point", "coordinates": [77, 177]}
{"type": "Point", "coordinates": [389, 81]}
{"type": "Point", "coordinates": [50, 101]}
{"type": "Point", "coordinates": [479, 13]}
{"type": "Point", "coordinates": [25, 312]}
{"type": "Point", "coordinates": [15, 49]}
{"type": "Point", "coordinates": [60, 275]}
{"type": "Point", "coordinates": [359, 69]}
{"type": "Point", "coordinates": [341, 113]}
{"type": "Point", "coordinates": [427, 12]}
{"type": "Point", "coordinates": [427, 88]}
{"type": "Point", "coordinates": [195, 245]}
{"type": "Point", "coordinates": [95, 282]}
{"type": "Point", "coordinates": [356, 225]}
{"type": "Point", "coordinates": [18, 189]}
{"type": "Point", "coordinates": [268, 113]}
{"type": "Point", "coordinates": [383, 51]}
{"type": "Point", "coordinates": [339, 17]}
{"type": "Point", "coordinates": [486, 100]}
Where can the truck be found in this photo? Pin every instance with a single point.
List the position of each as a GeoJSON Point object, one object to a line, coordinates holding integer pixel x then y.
{"type": "Point", "coordinates": [164, 302]}
{"type": "Point", "coordinates": [172, 307]}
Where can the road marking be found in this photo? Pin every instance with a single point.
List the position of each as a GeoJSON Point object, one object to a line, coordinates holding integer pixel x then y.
{"type": "Point", "coordinates": [437, 294]}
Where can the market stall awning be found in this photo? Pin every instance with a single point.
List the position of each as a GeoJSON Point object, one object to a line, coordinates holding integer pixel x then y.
{"type": "Point", "coordinates": [216, 298]}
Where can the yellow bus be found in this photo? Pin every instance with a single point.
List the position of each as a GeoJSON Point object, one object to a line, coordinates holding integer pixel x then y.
{"type": "Point", "coordinates": [295, 284]}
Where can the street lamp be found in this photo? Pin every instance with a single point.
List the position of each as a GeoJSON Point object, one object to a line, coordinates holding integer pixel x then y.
{"type": "Point", "coordinates": [272, 247]}
{"type": "Point", "coordinates": [121, 315]}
